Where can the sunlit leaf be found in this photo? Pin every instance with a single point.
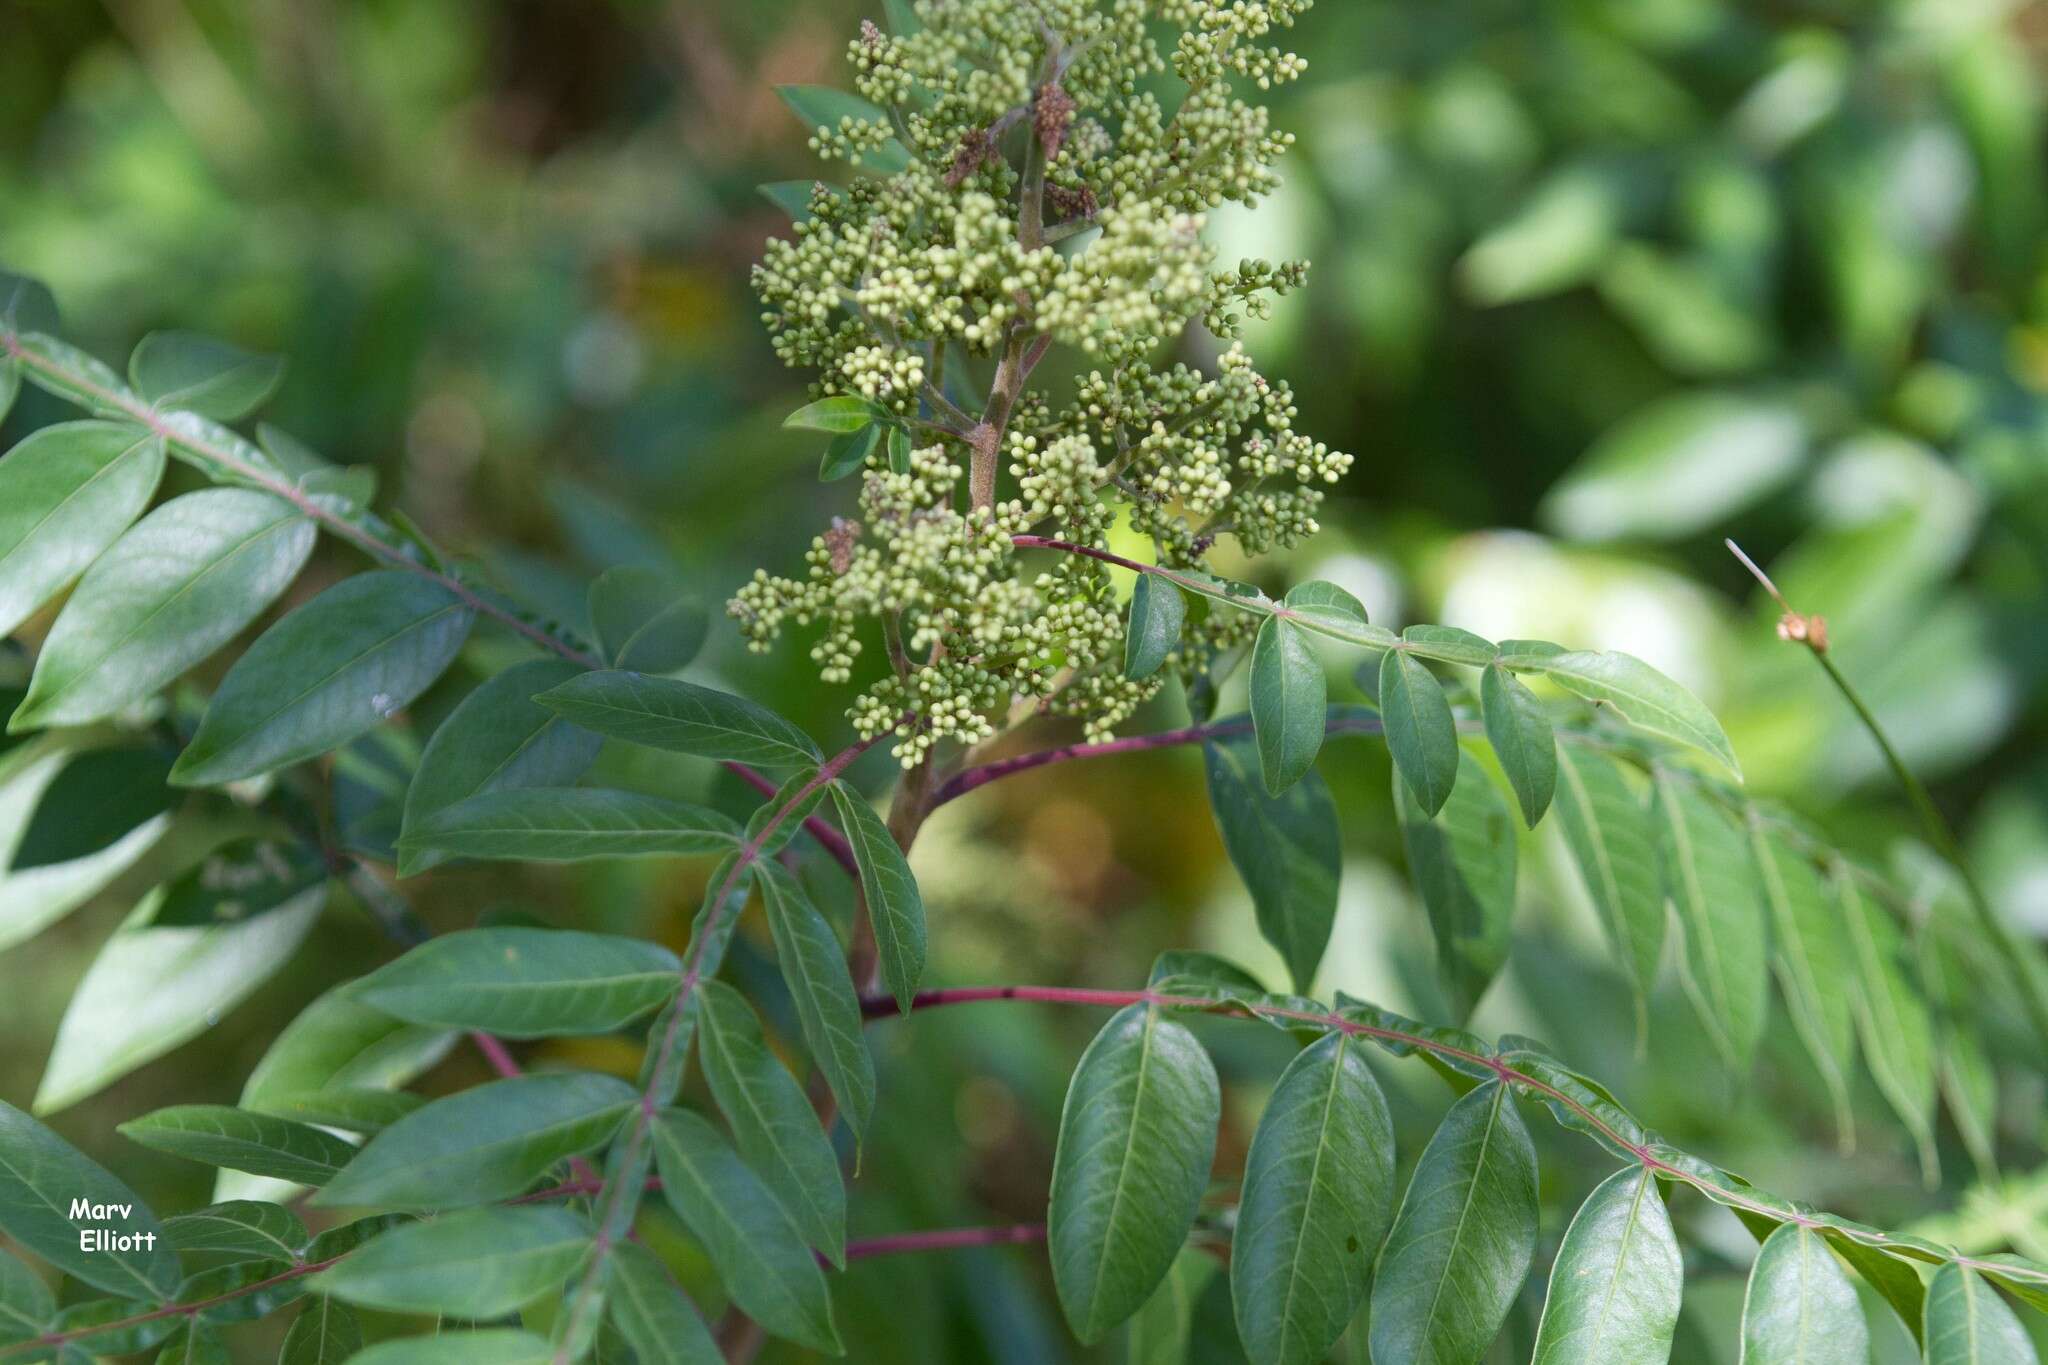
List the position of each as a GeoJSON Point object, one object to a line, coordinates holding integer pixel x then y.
{"type": "Point", "coordinates": [1801, 1308]}
{"type": "Point", "coordinates": [1615, 1285]}
{"type": "Point", "coordinates": [1644, 697]}
{"type": "Point", "coordinates": [66, 493]}
{"type": "Point", "coordinates": [1967, 1323]}
{"type": "Point", "coordinates": [479, 1263]}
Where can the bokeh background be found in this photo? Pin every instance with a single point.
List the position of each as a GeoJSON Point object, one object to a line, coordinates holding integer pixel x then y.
{"type": "Point", "coordinates": [1597, 282]}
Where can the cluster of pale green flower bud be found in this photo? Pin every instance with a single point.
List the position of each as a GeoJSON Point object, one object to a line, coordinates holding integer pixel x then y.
{"type": "Point", "coordinates": [1048, 201]}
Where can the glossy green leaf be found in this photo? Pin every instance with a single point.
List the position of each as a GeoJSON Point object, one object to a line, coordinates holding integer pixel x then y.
{"type": "Point", "coordinates": [498, 739]}
{"type": "Point", "coordinates": [643, 621]}
{"type": "Point", "coordinates": [479, 1263]}
{"type": "Point", "coordinates": [1462, 1242]}
{"type": "Point", "coordinates": [814, 966]}
{"type": "Point", "coordinates": [488, 1346]}
{"type": "Point", "coordinates": [1801, 1308]}
{"type": "Point", "coordinates": [899, 449]}
{"type": "Point", "coordinates": [838, 415]}
{"type": "Point", "coordinates": [324, 1333]}
{"type": "Point", "coordinates": [261, 1144]}
{"type": "Point", "coordinates": [193, 1343]}
{"type": "Point", "coordinates": [1706, 872]}
{"type": "Point", "coordinates": [827, 106]}
{"type": "Point", "coordinates": [1610, 837]}
{"type": "Point", "coordinates": [758, 1249]}
{"type": "Point", "coordinates": [1519, 730]}
{"type": "Point", "coordinates": [1895, 1279]}
{"type": "Point", "coordinates": [354, 1110]}
{"type": "Point", "coordinates": [184, 370]}
{"type": "Point", "coordinates": [570, 824]}
{"type": "Point", "coordinates": [1615, 1286]}
{"type": "Point", "coordinates": [66, 493]}
{"type": "Point", "coordinates": [894, 906]}
{"type": "Point", "coordinates": [244, 1228]}
{"type": "Point", "coordinates": [777, 821]}
{"type": "Point", "coordinates": [71, 374]}
{"type": "Point", "coordinates": [772, 1122]}
{"type": "Point", "coordinates": [154, 986]}
{"type": "Point", "coordinates": [183, 582]}
{"type": "Point", "coordinates": [1644, 697]}
{"type": "Point", "coordinates": [92, 804]}
{"type": "Point", "coordinates": [1137, 1135]}
{"type": "Point", "coordinates": [846, 453]}
{"type": "Point", "coordinates": [33, 898]}
{"type": "Point", "coordinates": [1421, 735]}
{"type": "Point", "coordinates": [26, 1304]}
{"type": "Point", "coordinates": [241, 879]}
{"type": "Point", "coordinates": [668, 713]}
{"type": "Point", "coordinates": [343, 663]}
{"type": "Point", "coordinates": [488, 1143]}
{"type": "Point", "coordinates": [1813, 961]}
{"type": "Point", "coordinates": [1286, 848]}
{"type": "Point", "coordinates": [1157, 612]}
{"type": "Point", "coordinates": [1892, 1018]}
{"type": "Point", "coordinates": [654, 1315]}
{"type": "Point", "coordinates": [1967, 1323]}
{"type": "Point", "coordinates": [42, 1177]}
{"type": "Point", "coordinates": [1288, 697]}
{"type": "Point", "coordinates": [1463, 865]}
{"type": "Point", "coordinates": [1318, 1194]}
{"type": "Point", "coordinates": [1321, 603]}
{"type": "Point", "coordinates": [526, 983]}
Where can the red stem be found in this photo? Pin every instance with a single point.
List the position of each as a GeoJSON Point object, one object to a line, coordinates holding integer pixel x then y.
{"type": "Point", "coordinates": [829, 839]}
{"type": "Point", "coordinates": [875, 1007]}
{"type": "Point", "coordinates": [496, 1053]}
{"type": "Point", "coordinates": [946, 1239]}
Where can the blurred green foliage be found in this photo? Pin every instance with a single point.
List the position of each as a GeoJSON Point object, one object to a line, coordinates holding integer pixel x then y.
{"type": "Point", "coordinates": [1597, 282]}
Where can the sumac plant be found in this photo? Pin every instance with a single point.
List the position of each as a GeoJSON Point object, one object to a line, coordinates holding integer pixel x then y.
{"type": "Point", "coordinates": [1021, 182]}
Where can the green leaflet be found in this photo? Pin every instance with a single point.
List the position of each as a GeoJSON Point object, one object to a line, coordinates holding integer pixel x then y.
{"type": "Point", "coordinates": [668, 713]}
{"type": "Point", "coordinates": [183, 582]}
{"type": "Point", "coordinates": [1800, 1308]}
{"type": "Point", "coordinates": [484, 1144]}
{"type": "Point", "coordinates": [1463, 866]}
{"type": "Point", "coordinates": [183, 370]}
{"type": "Point", "coordinates": [1318, 1194]}
{"type": "Point", "coordinates": [154, 986]}
{"type": "Point", "coordinates": [654, 1316]}
{"type": "Point", "coordinates": [242, 1228]}
{"type": "Point", "coordinates": [1161, 1333]}
{"type": "Point", "coordinates": [98, 797]}
{"type": "Point", "coordinates": [66, 493]}
{"type": "Point", "coordinates": [814, 966]}
{"type": "Point", "coordinates": [1137, 1135]}
{"type": "Point", "coordinates": [489, 1346]}
{"type": "Point", "coordinates": [1614, 1288]}
{"type": "Point", "coordinates": [33, 898]}
{"type": "Point", "coordinates": [1286, 848]}
{"type": "Point", "coordinates": [353, 1110]}
{"type": "Point", "coordinates": [1608, 834]}
{"type": "Point", "coordinates": [1814, 964]}
{"type": "Point", "coordinates": [1519, 730]}
{"type": "Point", "coordinates": [480, 1263]}
{"type": "Point", "coordinates": [1967, 1323]}
{"type": "Point", "coordinates": [324, 1333]}
{"type": "Point", "coordinates": [1894, 1278]}
{"type": "Point", "coordinates": [40, 1176]}
{"type": "Point", "coordinates": [1891, 1018]}
{"type": "Point", "coordinates": [259, 1144]}
{"type": "Point", "coordinates": [758, 1250]}
{"type": "Point", "coordinates": [26, 1304]}
{"type": "Point", "coordinates": [1462, 1242]}
{"type": "Point", "coordinates": [846, 453]}
{"type": "Point", "coordinates": [772, 1122]}
{"type": "Point", "coordinates": [76, 377]}
{"type": "Point", "coordinates": [842, 414]}
{"type": "Point", "coordinates": [1707, 875]}
{"type": "Point", "coordinates": [894, 906]}
{"type": "Point", "coordinates": [642, 621]}
{"type": "Point", "coordinates": [498, 739]}
{"type": "Point", "coordinates": [1288, 698]}
{"type": "Point", "coordinates": [240, 880]}
{"type": "Point", "coordinates": [1421, 735]}
{"type": "Point", "coordinates": [777, 821]}
{"type": "Point", "coordinates": [525, 983]}
{"type": "Point", "coordinates": [571, 824]}
{"type": "Point", "coordinates": [193, 1343]}
{"type": "Point", "coordinates": [1157, 612]}
{"type": "Point", "coordinates": [340, 665]}
{"type": "Point", "coordinates": [1644, 697]}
